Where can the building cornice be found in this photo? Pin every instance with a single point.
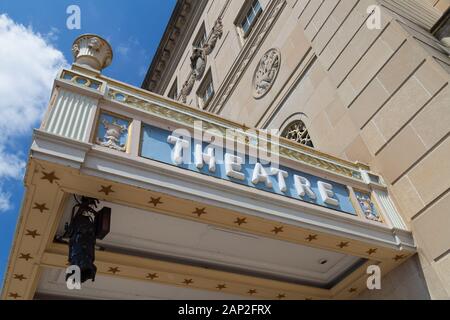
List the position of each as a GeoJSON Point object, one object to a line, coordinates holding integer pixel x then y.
{"type": "Point", "coordinates": [184, 18]}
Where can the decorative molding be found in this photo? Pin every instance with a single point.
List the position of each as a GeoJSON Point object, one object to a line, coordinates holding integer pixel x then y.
{"type": "Point", "coordinates": [68, 117]}
{"type": "Point", "coordinates": [287, 149]}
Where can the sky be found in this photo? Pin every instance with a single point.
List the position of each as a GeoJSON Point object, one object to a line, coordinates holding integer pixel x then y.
{"type": "Point", "coordinates": [35, 43]}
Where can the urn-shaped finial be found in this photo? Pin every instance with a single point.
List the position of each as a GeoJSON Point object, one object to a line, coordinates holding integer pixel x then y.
{"type": "Point", "coordinates": [93, 51]}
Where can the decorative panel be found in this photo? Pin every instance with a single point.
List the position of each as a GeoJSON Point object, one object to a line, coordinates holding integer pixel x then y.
{"type": "Point", "coordinates": [368, 207]}
{"type": "Point", "coordinates": [70, 114]}
{"type": "Point", "coordinates": [112, 132]}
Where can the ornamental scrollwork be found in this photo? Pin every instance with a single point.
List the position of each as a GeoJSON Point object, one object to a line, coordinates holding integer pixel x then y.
{"type": "Point", "coordinates": [266, 72]}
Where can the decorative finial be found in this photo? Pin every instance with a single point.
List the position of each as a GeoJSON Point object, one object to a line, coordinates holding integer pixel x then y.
{"type": "Point", "coordinates": [93, 51]}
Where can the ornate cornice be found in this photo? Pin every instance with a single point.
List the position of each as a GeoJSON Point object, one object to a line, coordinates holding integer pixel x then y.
{"type": "Point", "coordinates": [183, 19]}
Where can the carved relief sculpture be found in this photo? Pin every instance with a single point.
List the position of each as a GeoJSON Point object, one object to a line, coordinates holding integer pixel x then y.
{"type": "Point", "coordinates": [113, 133]}
{"type": "Point", "coordinates": [198, 62]}
{"type": "Point", "coordinates": [266, 72]}
{"type": "Point", "coordinates": [216, 34]}
{"type": "Point", "coordinates": [367, 206]}
{"type": "Point", "coordinates": [199, 58]}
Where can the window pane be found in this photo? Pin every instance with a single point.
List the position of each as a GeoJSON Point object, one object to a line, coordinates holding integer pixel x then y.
{"type": "Point", "coordinates": [250, 16]}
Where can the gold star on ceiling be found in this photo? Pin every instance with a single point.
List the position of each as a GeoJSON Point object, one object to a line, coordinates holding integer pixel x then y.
{"type": "Point", "coordinates": [106, 189]}
{"type": "Point", "coordinates": [19, 277]}
{"type": "Point", "coordinates": [188, 281]}
{"type": "Point", "coordinates": [343, 244]}
{"type": "Point", "coordinates": [277, 230]}
{"type": "Point", "coordinates": [49, 176]}
{"type": "Point", "coordinates": [399, 257]}
{"type": "Point", "coordinates": [311, 237]}
{"type": "Point", "coordinates": [155, 201]}
{"type": "Point", "coordinates": [281, 296]}
{"type": "Point", "coordinates": [240, 221]}
{"type": "Point", "coordinates": [41, 207]}
{"type": "Point", "coordinates": [251, 291]}
{"type": "Point", "coordinates": [308, 299]}
{"type": "Point", "coordinates": [14, 295]}
{"type": "Point", "coordinates": [25, 256]}
{"type": "Point", "coordinates": [221, 286]}
{"type": "Point", "coordinates": [199, 211]}
{"type": "Point", "coordinates": [152, 276]}
{"type": "Point", "coordinates": [371, 251]}
{"type": "Point", "coordinates": [351, 290]}
{"type": "Point", "coordinates": [32, 233]}
{"type": "Point", "coordinates": [114, 270]}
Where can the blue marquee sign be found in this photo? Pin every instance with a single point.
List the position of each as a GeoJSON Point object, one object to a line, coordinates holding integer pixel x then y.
{"type": "Point", "coordinates": [159, 144]}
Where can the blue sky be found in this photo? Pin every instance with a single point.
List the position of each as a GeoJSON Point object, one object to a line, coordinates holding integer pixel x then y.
{"type": "Point", "coordinates": [133, 28]}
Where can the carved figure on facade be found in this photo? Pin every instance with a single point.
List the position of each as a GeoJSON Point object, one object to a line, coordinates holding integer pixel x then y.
{"type": "Point", "coordinates": [266, 72]}
{"type": "Point", "coordinates": [113, 133]}
{"type": "Point", "coordinates": [198, 62]}
{"type": "Point", "coordinates": [199, 59]}
{"type": "Point", "coordinates": [216, 34]}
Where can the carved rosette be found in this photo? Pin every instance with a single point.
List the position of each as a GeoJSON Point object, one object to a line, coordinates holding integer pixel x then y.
{"type": "Point", "coordinates": [266, 73]}
{"type": "Point", "coordinates": [93, 51]}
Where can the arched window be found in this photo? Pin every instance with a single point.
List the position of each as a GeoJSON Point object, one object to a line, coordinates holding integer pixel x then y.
{"type": "Point", "coordinates": [296, 131]}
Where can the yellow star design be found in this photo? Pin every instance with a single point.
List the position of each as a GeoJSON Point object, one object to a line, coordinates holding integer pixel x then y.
{"type": "Point", "coordinates": [41, 207]}
{"type": "Point", "coordinates": [277, 230]}
{"type": "Point", "coordinates": [49, 176]}
{"type": "Point", "coordinates": [311, 237]}
{"type": "Point", "coordinates": [19, 277]}
{"type": "Point", "coordinates": [199, 211]}
{"type": "Point", "coordinates": [221, 286]}
{"type": "Point", "coordinates": [240, 221]}
{"type": "Point", "coordinates": [371, 251]}
{"type": "Point", "coordinates": [351, 290]}
{"type": "Point", "coordinates": [106, 189]}
{"type": "Point", "coordinates": [152, 276]}
{"type": "Point", "coordinates": [14, 295]}
{"type": "Point", "coordinates": [343, 244]}
{"type": "Point", "coordinates": [32, 233]}
{"type": "Point", "coordinates": [188, 281]}
{"type": "Point", "coordinates": [155, 201]}
{"type": "Point", "coordinates": [114, 270]}
{"type": "Point", "coordinates": [281, 296]}
{"type": "Point", "coordinates": [251, 291]}
{"type": "Point", "coordinates": [25, 256]}
{"type": "Point", "coordinates": [399, 257]}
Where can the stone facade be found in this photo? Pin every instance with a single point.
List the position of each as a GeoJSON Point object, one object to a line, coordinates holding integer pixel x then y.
{"type": "Point", "coordinates": [377, 96]}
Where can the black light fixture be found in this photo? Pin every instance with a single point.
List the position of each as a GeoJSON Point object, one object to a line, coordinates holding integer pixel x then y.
{"type": "Point", "coordinates": [86, 226]}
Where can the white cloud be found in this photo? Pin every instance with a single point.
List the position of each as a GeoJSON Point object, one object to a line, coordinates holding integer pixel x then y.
{"type": "Point", "coordinates": [28, 65]}
{"type": "Point", "coordinates": [123, 50]}
{"type": "Point", "coordinates": [5, 203]}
